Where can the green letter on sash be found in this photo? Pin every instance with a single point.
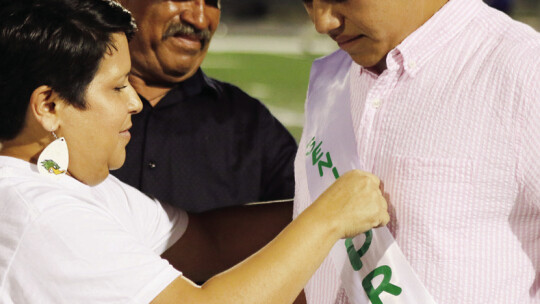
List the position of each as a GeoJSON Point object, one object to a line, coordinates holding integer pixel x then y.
{"type": "Point", "coordinates": [316, 154]}
{"type": "Point", "coordinates": [336, 174]}
{"type": "Point", "coordinates": [328, 163]}
{"type": "Point", "coordinates": [354, 256]}
{"type": "Point", "coordinates": [310, 146]}
{"type": "Point", "coordinates": [385, 285]}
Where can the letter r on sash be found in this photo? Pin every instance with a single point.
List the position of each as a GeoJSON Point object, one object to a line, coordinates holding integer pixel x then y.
{"type": "Point", "coordinates": [373, 293]}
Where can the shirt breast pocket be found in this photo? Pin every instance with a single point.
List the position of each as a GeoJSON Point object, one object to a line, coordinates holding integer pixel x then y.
{"type": "Point", "coordinates": [427, 193]}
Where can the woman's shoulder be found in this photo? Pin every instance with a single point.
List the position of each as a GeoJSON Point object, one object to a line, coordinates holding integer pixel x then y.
{"type": "Point", "coordinates": [21, 184]}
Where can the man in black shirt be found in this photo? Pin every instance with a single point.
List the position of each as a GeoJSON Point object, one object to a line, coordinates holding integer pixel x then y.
{"type": "Point", "coordinates": [199, 143]}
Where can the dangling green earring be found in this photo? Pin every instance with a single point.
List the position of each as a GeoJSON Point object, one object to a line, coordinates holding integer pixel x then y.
{"type": "Point", "coordinates": [54, 159]}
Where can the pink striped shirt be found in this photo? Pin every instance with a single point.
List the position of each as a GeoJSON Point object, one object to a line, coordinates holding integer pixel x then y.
{"type": "Point", "coordinates": [452, 128]}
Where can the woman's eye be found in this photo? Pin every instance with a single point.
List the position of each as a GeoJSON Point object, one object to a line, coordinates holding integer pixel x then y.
{"type": "Point", "coordinates": [118, 89]}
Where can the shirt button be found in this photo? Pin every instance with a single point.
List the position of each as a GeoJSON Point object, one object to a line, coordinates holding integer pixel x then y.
{"type": "Point", "coordinates": [151, 165]}
{"type": "Point", "coordinates": [376, 102]}
{"type": "Point", "coordinates": [412, 64]}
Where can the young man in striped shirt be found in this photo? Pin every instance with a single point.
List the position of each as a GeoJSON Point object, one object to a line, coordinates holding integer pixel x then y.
{"type": "Point", "coordinates": [440, 99]}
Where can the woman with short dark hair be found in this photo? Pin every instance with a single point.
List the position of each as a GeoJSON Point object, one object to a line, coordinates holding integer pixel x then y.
{"type": "Point", "coordinates": [72, 233]}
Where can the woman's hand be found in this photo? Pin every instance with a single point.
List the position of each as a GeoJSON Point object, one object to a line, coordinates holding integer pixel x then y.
{"type": "Point", "coordinates": [277, 273]}
{"type": "Point", "coordinates": [353, 204]}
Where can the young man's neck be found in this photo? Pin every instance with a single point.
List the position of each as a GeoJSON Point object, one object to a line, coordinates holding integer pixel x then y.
{"type": "Point", "coordinates": [428, 10]}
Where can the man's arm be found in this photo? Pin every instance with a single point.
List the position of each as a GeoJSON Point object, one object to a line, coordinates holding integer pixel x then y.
{"type": "Point", "coordinates": [256, 225]}
{"type": "Point", "coordinates": [278, 272]}
{"type": "Point", "coordinates": [219, 239]}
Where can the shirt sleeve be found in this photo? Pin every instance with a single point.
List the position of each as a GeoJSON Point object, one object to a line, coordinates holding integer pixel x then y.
{"type": "Point", "coordinates": [77, 253]}
{"type": "Point", "coordinates": [159, 225]}
{"type": "Point", "coordinates": [529, 138]}
{"type": "Point", "coordinates": [279, 150]}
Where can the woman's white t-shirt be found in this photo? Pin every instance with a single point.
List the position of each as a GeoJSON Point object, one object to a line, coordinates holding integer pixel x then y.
{"type": "Point", "coordinates": [65, 242]}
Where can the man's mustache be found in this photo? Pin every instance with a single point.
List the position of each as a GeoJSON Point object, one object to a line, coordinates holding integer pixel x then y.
{"type": "Point", "coordinates": [175, 29]}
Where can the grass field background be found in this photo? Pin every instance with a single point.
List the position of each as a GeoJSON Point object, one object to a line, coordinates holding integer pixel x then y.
{"type": "Point", "coordinates": [279, 81]}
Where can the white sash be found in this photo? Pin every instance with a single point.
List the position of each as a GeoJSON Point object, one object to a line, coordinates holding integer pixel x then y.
{"type": "Point", "coordinates": [383, 274]}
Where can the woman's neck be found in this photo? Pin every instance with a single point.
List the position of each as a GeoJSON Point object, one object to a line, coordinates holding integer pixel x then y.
{"type": "Point", "coordinates": [25, 150]}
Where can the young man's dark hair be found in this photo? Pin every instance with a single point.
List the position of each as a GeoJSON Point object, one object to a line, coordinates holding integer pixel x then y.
{"type": "Point", "coordinates": [71, 35]}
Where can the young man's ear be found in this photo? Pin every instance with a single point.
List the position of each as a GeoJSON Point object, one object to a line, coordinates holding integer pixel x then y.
{"type": "Point", "coordinates": [44, 106]}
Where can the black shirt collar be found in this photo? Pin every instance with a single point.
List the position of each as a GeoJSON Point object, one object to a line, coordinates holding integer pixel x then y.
{"type": "Point", "coordinates": [196, 85]}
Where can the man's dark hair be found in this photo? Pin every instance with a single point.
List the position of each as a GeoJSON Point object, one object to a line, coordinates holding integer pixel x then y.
{"type": "Point", "coordinates": [58, 43]}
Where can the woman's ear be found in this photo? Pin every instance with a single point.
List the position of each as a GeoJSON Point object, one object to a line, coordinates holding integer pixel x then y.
{"type": "Point", "coordinates": [45, 105]}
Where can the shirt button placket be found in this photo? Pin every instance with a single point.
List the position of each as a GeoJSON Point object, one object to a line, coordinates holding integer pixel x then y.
{"type": "Point", "coordinates": [378, 92]}
{"type": "Point", "coordinates": [376, 102]}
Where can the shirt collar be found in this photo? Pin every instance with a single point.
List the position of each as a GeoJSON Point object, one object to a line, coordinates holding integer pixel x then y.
{"type": "Point", "coordinates": [427, 40]}
{"type": "Point", "coordinates": [196, 84]}
{"type": "Point", "coordinates": [193, 86]}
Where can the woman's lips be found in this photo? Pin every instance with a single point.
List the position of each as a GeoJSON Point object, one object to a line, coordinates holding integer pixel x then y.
{"type": "Point", "coordinates": [126, 133]}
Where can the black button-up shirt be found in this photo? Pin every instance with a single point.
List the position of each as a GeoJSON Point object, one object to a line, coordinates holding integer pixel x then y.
{"type": "Point", "coordinates": [207, 145]}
